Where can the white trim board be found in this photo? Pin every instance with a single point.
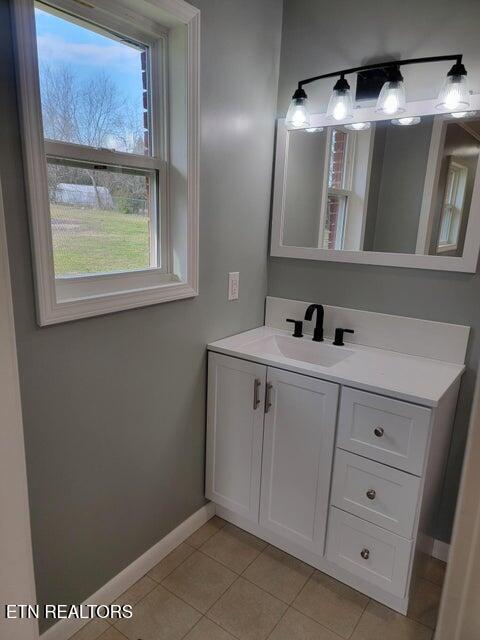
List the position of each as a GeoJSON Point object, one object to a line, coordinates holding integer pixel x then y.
{"type": "Point", "coordinates": [125, 579]}
{"type": "Point", "coordinates": [412, 336]}
{"type": "Point", "coordinates": [440, 550]}
{"type": "Point", "coordinates": [17, 583]}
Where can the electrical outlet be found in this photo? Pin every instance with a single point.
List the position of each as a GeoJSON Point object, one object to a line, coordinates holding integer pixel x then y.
{"type": "Point", "coordinates": [233, 283]}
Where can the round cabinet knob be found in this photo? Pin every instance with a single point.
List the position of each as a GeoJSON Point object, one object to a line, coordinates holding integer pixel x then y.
{"type": "Point", "coordinates": [371, 494]}
{"type": "Point", "coordinates": [365, 553]}
{"type": "Point", "coordinates": [378, 431]}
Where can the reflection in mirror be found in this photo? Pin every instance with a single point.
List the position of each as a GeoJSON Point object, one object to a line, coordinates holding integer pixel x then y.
{"type": "Point", "coordinates": [387, 188]}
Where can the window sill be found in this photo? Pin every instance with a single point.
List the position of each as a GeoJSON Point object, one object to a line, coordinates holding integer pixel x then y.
{"type": "Point", "coordinates": [73, 304]}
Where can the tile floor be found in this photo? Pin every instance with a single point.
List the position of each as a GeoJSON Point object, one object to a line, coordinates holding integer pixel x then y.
{"type": "Point", "coordinates": [225, 584]}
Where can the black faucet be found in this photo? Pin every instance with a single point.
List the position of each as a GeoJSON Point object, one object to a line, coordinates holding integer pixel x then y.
{"type": "Point", "coordinates": [318, 330]}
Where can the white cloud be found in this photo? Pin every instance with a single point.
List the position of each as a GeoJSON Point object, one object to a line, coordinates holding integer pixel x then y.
{"type": "Point", "coordinates": [55, 49]}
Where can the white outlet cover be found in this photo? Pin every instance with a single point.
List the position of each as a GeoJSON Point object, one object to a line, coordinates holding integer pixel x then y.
{"type": "Point", "coordinates": [233, 285]}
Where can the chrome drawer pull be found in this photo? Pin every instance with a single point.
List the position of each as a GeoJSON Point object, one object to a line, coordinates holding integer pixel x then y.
{"type": "Point", "coordinates": [371, 494]}
{"type": "Point", "coordinates": [378, 431]}
{"type": "Point", "coordinates": [268, 397]}
{"type": "Point", "coordinates": [256, 397]}
{"type": "Point", "coordinates": [365, 553]}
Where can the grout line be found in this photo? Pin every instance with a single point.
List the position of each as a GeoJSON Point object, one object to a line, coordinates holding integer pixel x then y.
{"type": "Point", "coordinates": [359, 618]}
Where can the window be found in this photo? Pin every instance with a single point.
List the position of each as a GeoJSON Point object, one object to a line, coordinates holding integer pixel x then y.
{"type": "Point", "coordinates": [111, 155]}
{"type": "Point", "coordinates": [340, 154]}
{"type": "Point", "coordinates": [452, 207]}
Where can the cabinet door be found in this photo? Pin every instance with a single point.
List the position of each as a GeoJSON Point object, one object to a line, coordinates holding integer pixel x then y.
{"type": "Point", "coordinates": [297, 457]}
{"type": "Point", "coordinates": [236, 402]}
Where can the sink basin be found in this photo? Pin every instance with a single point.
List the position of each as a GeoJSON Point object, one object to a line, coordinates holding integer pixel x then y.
{"type": "Point", "coordinates": [324, 355]}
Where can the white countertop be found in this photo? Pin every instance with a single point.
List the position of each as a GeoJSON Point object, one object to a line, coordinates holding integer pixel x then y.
{"type": "Point", "coordinates": [407, 377]}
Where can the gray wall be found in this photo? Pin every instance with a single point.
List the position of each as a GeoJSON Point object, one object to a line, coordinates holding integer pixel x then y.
{"type": "Point", "coordinates": [304, 186]}
{"type": "Point", "coordinates": [403, 167]}
{"type": "Point", "coordinates": [114, 406]}
{"type": "Point", "coordinates": [322, 36]}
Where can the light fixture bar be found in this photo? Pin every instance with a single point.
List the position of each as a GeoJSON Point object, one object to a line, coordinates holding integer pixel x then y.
{"type": "Point", "coordinates": [390, 63]}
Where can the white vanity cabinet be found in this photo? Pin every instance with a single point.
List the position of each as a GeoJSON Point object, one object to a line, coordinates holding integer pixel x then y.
{"type": "Point", "coordinates": [344, 478]}
{"type": "Point", "coordinates": [236, 404]}
{"type": "Point", "coordinates": [298, 443]}
{"type": "Point", "coordinates": [291, 418]}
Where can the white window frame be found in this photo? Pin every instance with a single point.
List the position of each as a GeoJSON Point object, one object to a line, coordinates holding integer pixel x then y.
{"type": "Point", "coordinates": [63, 299]}
{"type": "Point", "coordinates": [345, 191]}
{"type": "Point", "coordinates": [355, 188]}
{"type": "Point", "coordinates": [452, 209]}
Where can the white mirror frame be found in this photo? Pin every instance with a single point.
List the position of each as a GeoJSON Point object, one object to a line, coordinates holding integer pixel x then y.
{"type": "Point", "coordinates": [467, 263]}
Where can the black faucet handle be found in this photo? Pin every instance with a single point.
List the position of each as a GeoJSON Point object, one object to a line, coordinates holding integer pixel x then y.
{"type": "Point", "coordinates": [298, 331]}
{"type": "Point", "coordinates": [339, 336]}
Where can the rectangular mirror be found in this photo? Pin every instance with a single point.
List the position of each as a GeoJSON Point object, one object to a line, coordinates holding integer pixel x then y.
{"type": "Point", "coordinates": [387, 194]}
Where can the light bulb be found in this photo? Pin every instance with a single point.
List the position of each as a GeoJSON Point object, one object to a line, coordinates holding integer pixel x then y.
{"type": "Point", "coordinates": [340, 105]}
{"type": "Point", "coordinates": [358, 126]}
{"type": "Point", "coordinates": [454, 93]}
{"type": "Point", "coordinates": [406, 122]}
{"type": "Point", "coordinates": [463, 114]}
{"type": "Point", "coordinates": [392, 98]}
{"type": "Point", "coordinates": [297, 115]}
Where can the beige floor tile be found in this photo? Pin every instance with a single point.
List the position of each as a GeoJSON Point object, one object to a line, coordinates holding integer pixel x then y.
{"type": "Point", "coordinates": [233, 547]}
{"type": "Point", "coordinates": [170, 562]}
{"type": "Point", "coordinates": [205, 532]}
{"type": "Point", "coordinates": [247, 612]}
{"type": "Point", "coordinates": [136, 592]}
{"type": "Point", "coordinates": [208, 630]}
{"type": "Point", "coordinates": [112, 634]}
{"type": "Point", "coordinates": [200, 581]}
{"type": "Point", "coordinates": [424, 603]}
{"type": "Point", "coordinates": [92, 630]}
{"type": "Point", "coordinates": [295, 626]}
{"type": "Point", "coordinates": [434, 571]}
{"type": "Point", "coordinates": [159, 616]}
{"type": "Point", "coordinates": [331, 603]}
{"type": "Point", "coordinates": [279, 573]}
{"type": "Point", "coordinates": [380, 623]}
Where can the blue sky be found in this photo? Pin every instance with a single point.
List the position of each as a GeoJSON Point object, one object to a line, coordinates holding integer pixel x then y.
{"type": "Point", "coordinates": [61, 42]}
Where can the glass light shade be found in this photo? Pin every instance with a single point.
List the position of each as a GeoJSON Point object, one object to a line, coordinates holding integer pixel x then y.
{"type": "Point", "coordinates": [358, 126]}
{"type": "Point", "coordinates": [463, 114]}
{"type": "Point", "coordinates": [454, 93]}
{"type": "Point", "coordinates": [406, 122]}
{"type": "Point", "coordinates": [297, 115]}
{"type": "Point", "coordinates": [340, 105]}
{"type": "Point", "coordinates": [392, 98]}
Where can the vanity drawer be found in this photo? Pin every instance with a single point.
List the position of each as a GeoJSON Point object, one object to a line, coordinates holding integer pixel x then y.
{"type": "Point", "coordinates": [389, 431]}
{"type": "Point", "coordinates": [380, 557]}
{"type": "Point", "coordinates": [382, 495]}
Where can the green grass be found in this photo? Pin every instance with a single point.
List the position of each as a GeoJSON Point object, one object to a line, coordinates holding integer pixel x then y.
{"type": "Point", "coordinates": [96, 241]}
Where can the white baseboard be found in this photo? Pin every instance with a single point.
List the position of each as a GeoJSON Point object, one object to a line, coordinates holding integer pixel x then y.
{"type": "Point", "coordinates": [440, 550]}
{"type": "Point", "coordinates": [121, 582]}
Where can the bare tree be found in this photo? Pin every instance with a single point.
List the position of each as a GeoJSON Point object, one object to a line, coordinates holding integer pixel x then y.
{"type": "Point", "coordinates": [92, 112]}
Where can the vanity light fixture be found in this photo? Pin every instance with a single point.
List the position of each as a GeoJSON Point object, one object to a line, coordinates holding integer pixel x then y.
{"type": "Point", "coordinates": [454, 93]}
{"type": "Point", "coordinates": [392, 95]}
{"type": "Point", "coordinates": [406, 122]}
{"type": "Point", "coordinates": [314, 129]}
{"type": "Point", "coordinates": [340, 105]}
{"type": "Point", "coordinates": [358, 126]}
{"type": "Point", "coordinates": [297, 115]}
{"type": "Point", "coordinates": [386, 84]}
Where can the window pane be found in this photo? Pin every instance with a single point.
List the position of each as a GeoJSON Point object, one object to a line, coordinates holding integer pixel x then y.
{"type": "Point", "coordinates": [100, 219]}
{"type": "Point", "coordinates": [333, 233]}
{"type": "Point", "coordinates": [93, 84]}
{"type": "Point", "coordinates": [338, 156]}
